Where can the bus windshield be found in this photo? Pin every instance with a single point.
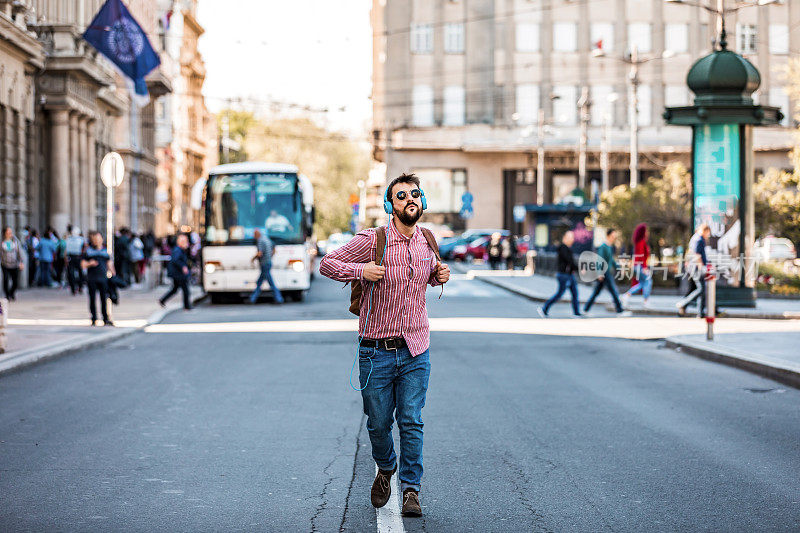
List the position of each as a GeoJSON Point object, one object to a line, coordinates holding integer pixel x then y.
{"type": "Point", "coordinates": [239, 204]}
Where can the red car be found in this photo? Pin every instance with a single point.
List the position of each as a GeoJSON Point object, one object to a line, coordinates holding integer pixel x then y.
{"type": "Point", "coordinates": [477, 248]}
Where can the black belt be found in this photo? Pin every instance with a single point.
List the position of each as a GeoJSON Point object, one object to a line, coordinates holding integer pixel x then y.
{"type": "Point", "coordinates": [392, 343]}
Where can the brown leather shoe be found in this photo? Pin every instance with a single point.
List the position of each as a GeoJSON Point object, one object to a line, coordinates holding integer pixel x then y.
{"type": "Point", "coordinates": [382, 487]}
{"type": "Point", "coordinates": [411, 505]}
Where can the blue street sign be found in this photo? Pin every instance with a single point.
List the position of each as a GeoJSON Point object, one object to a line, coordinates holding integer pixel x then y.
{"type": "Point", "coordinates": [466, 210]}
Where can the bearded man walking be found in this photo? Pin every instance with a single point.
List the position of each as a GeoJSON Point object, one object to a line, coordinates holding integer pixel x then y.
{"type": "Point", "coordinates": [393, 352]}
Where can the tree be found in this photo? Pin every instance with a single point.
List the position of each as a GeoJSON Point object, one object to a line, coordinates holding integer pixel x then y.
{"type": "Point", "coordinates": [663, 203]}
{"type": "Point", "coordinates": [777, 204]}
{"type": "Point", "coordinates": [239, 123]}
{"type": "Point", "coordinates": [777, 193]}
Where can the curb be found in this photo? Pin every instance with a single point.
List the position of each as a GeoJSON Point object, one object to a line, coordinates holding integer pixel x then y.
{"type": "Point", "coordinates": [14, 361]}
{"type": "Point", "coordinates": [779, 371]}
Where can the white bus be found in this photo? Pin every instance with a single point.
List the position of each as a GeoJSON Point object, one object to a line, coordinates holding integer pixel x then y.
{"type": "Point", "coordinates": [239, 198]}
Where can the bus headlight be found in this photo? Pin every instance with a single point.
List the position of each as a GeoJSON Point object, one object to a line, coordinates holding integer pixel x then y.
{"type": "Point", "coordinates": [212, 266]}
{"type": "Point", "coordinates": [296, 265]}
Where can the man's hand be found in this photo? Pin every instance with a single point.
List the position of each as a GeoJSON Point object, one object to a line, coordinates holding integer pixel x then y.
{"type": "Point", "coordinates": [92, 263]}
{"type": "Point", "coordinates": [185, 270]}
{"type": "Point", "coordinates": [373, 272]}
{"type": "Point", "coordinates": [442, 273]}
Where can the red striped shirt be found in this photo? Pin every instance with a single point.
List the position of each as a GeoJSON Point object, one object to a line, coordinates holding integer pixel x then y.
{"type": "Point", "coordinates": [398, 300]}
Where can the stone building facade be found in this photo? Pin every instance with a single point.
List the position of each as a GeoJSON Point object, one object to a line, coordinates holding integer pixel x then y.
{"type": "Point", "coordinates": [458, 86]}
{"type": "Point", "coordinates": [21, 57]}
{"type": "Point", "coordinates": [186, 131]}
{"type": "Point", "coordinates": [83, 110]}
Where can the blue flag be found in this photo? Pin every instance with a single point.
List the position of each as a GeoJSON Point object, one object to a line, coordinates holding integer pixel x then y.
{"type": "Point", "coordinates": [116, 34]}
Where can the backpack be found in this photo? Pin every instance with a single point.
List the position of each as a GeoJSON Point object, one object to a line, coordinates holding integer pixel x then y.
{"type": "Point", "coordinates": [357, 289]}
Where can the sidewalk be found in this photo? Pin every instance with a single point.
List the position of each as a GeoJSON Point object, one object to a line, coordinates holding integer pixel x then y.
{"type": "Point", "coordinates": [45, 323]}
{"type": "Point", "coordinates": [772, 354]}
{"type": "Point", "coordinates": [540, 287]}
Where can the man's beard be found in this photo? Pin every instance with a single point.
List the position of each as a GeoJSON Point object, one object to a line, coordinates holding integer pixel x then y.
{"type": "Point", "coordinates": [409, 219]}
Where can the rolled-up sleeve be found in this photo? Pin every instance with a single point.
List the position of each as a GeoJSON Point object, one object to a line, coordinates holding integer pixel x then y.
{"type": "Point", "coordinates": [347, 263]}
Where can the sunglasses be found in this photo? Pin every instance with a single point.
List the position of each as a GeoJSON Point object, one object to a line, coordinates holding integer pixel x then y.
{"type": "Point", "coordinates": [402, 195]}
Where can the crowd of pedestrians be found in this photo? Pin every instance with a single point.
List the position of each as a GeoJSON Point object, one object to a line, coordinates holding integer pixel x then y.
{"type": "Point", "coordinates": [82, 262]}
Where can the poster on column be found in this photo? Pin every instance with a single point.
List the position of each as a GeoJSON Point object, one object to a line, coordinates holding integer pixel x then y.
{"type": "Point", "coordinates": [717, 169]}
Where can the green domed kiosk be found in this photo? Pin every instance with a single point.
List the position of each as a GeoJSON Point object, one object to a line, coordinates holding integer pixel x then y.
{"type": "Point", "coordinates": [722, 120]}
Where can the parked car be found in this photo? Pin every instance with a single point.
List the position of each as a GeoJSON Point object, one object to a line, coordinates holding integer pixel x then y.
{"type": "Point", "coordinates": [477, 248]}
{"type": "Point", "coordinates": [447, 248]}
{"type": "Point", "coordinates": [774, 249]}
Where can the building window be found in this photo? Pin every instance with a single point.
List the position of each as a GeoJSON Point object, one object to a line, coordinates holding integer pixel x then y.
{"type": "Point", "coordinates": [454, 105]}
{"type": "Point", "coordinates": [443, 188]}
{"type": "Point", "coordinates": [676, 38]}
{"type": "Point", "coordinates": [564, 105]}
{"type": "Point", "coordinates": [778, 39]}
{"type": "Point", "coordinates": [527, 104]}
{"type": "Point", "coordinates": [645, 105]}
{"type": "Point", "coordinates": [676, 95]}
{"type": "Point", "coordinates": [423, 105]}
{"type": "Point", "coordinates": [421, 38]}
{"type": "Point", "coordinates": [778, 97]}
{"type": "Point", "coordinates": [602, 35]}
{"type": "Point", "coordinates": [746, 36]}
{"type": "Point", "coordinates": [602, 106]}
{"type": "Point", "coordinates": [527, 37]}
{"type": "Point", "coordinates": [454, 38]}
{"type": "Point", "coordinates": [565, 37]}
{"type": "Point", "coordinates": [639, 37]}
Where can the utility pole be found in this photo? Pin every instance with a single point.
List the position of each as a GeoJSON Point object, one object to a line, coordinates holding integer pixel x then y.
{"type": "Point", "coordinates": [584, 105]}
{"type": "Point", "coordinates": [604, 160]}
{"type": "Point", "coordinates": [540, 160]}
{"type": "Point", "coordinates": [226, 132]}
{"type": "Point", "coordinates": [634, 116]}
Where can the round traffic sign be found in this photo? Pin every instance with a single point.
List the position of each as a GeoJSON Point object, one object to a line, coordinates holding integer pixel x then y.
{"type": "Point", "coordinates": [112, 169]}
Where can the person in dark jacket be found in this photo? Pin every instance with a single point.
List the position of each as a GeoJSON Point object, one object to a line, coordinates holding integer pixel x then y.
{"type": "Point", "coordinates": [97, 263]}
{"type": "Point", "coordinates": [178, 270]}
{"type": "Point", "coordinates": [565, 276]}
{"type": "Point", "coordinates": [494, 250]}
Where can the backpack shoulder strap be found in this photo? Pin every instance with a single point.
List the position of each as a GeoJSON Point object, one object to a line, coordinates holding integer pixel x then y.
{"type": "Point", "coordinates": [431, 242]}
{"type": "Point", "coordinates": [380, 244]}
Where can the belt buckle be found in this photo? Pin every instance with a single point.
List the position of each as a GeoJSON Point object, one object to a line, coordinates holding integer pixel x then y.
{"type": "Point", "coordinates": [391, 344]}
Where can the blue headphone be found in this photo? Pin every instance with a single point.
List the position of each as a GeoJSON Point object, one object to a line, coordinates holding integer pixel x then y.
{"type": "Point", "coordinates": [387, 202]}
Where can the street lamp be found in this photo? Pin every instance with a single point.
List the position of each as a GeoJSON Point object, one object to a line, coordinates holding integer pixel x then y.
{"type": "Point", "coordinates": [634, 61]}
{"type": "Point", "coordinates": [721, 10]}
{"type": "Point", "coordinates": [584, 105]}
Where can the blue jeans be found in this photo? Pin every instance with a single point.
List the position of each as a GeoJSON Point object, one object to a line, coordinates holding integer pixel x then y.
{"type": "Point", "coordinates": [44, 273]}
{"type": "Point", "coordinates": [395, 389]}
{"type": "Point", "coordinates": [266, 275]}
{"type": "Point", "coordinates": [609, 283]}
{"type": "Point", "coordinates": [645, 282]}
{"type": "Point", "coordinates": [564, 281]}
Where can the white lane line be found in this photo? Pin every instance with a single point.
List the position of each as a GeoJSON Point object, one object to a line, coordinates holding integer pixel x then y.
{"type": "Point", "coordinates": [389, 518]}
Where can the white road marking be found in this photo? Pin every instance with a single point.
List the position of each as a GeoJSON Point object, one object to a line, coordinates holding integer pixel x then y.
{"type": "Point", "coordinates": [624, 328]}
{"type": "Point", "coordinates": [389, 518]}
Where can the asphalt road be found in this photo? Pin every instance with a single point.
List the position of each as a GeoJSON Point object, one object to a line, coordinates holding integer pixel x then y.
{"type": "Point", "coordinates": [186, 430]}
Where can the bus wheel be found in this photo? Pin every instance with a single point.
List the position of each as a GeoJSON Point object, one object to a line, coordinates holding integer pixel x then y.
{"type": "Point", "coordinates": [296, 296]}
{"type": "Point", "coordinates": [216, 297]}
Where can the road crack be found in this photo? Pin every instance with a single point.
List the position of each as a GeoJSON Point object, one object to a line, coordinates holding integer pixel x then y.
{"type": "Point", "coordinates": [353, 477]}
{"type": "Point", "coordinates": [323, 495]}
